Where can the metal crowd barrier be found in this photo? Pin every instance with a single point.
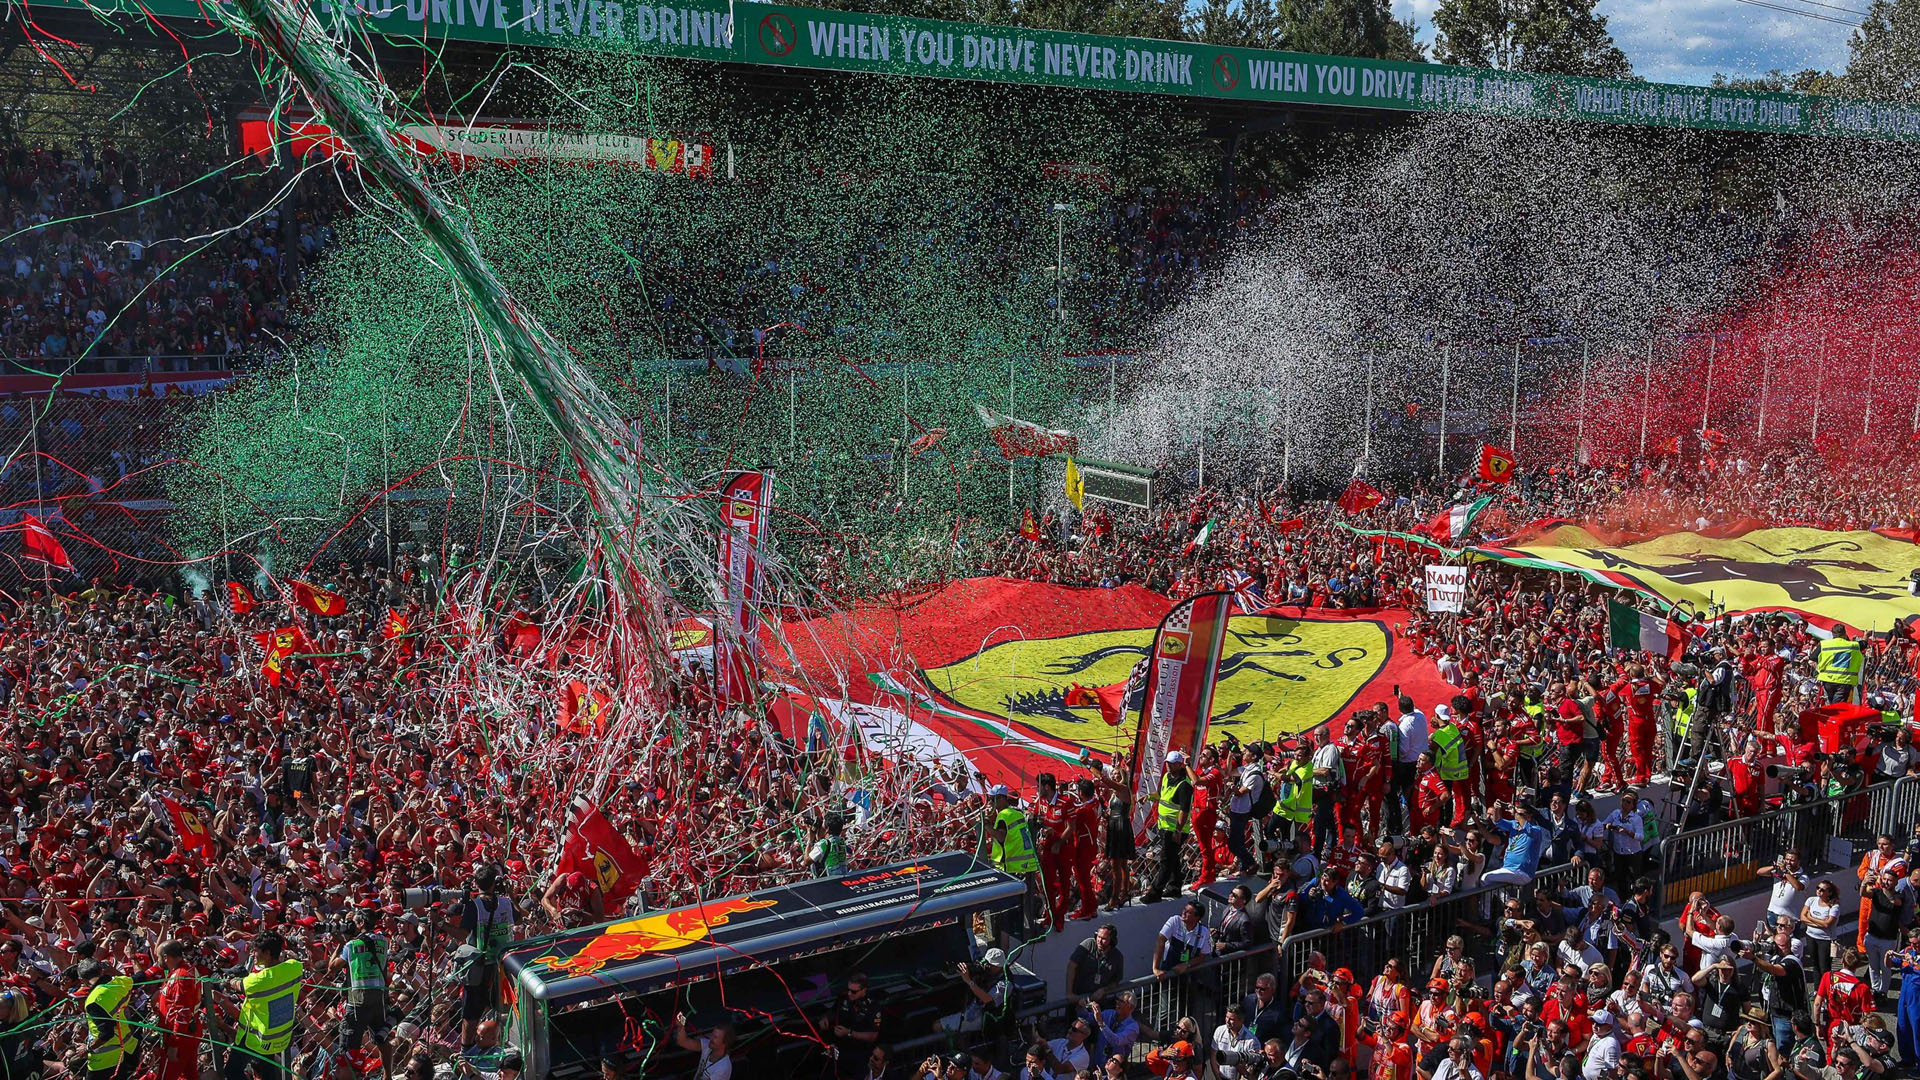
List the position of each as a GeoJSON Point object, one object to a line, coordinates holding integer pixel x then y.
{"type": "Point", "coordinates": [1731, 854]}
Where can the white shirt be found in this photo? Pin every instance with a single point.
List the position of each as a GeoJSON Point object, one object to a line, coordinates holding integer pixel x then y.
{"type": "Point", "coordinates": [719, 1069]}
{"type": "Point", "coordinates": [1397, 875]}
{"type": "Point", "coordinates": [1602, 1054]}
{"type": "Point", "coordinates": [1824, 910]}
{"type": "Point", "coordinates": [1245, 1043]}
{"type": "Point", "coordinates": [1198, 941]}
{"type": "Point", "coordinates": [1328, 758]}
{"type": "Point", "coordinates": [1446, 1071]}
{"type": "Point", "coordinates": [1712, 947]}
{"type": "Point", "coordinates": [1635, 824]}
{"type": "Point", "coordinates": [1788, 889]}
{"type": "Point", "coordinates": [1252, 780]}
{"type": "Point", "coordinates": [1450, 671]}
{"type": "Point", "coordinates": [1074, 1058]}
{"type": "Point", "coordinates": [1413, 736]}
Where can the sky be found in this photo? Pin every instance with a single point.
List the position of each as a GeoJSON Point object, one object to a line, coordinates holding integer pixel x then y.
{"type": "Point", "coordinates": [1687, 41]}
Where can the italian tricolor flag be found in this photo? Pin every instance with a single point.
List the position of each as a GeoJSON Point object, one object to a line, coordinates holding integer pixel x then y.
{"type": "Point", "coordinates": [1453, 523]}
{"type": "Point", "coordinates": [1199, 539]}
{"type": "Point", "coordinates": [1630, 628]}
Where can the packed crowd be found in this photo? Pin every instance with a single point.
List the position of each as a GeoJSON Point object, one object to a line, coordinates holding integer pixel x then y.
{"type": "Point", "coordinates": [96, 243]}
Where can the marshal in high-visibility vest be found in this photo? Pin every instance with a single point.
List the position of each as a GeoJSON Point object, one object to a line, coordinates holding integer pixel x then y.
{"type": "Point", "coordinates": [270, 999]}
{"type": "Point", "coordinates": [1170, 810]}
{"type": "Point", "coordinates": [1842, 662]}
{"type": "Point", "coordinates": [109, 1036]}
{"type": "Point", "coordinates": [1013, 847]}
{"type": "Point", "coordinates": [1450, 753]}
{"type": "Point", "coordinates": [1296, 793]}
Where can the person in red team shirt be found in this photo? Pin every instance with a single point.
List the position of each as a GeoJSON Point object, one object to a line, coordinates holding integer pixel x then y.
{"type": "Point", "coordinates": [1050, 812]}
{"type": "Point", "coordinates": [1430, 795]}
{"type": "Point", "coordinates": [1088, 818]}
{"type": "Point", "coordinates": [1764, 668]}
{"type": "Point", "coordinates": [1360, 757]}
{"type": "Point", "coordinates": [1643, 697]}
{"type": "Point", "coordinates": [1843, 997]}
{"type": "Point", "coordinates": [1207, 780]}
{"type": "Point", "coordinates": [1609, 714]}
{"type": "Point", "coordinates": [176, 1012]}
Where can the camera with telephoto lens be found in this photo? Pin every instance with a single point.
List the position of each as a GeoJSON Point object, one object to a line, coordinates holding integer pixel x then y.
{"type": "Point", "coordinates": [431, 895]}
{"type": "Point", "coordinates": [1792, 774]}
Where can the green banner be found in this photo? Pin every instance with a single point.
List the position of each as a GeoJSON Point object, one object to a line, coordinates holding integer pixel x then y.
{"type": "Point", "coordinates": [786, 36]}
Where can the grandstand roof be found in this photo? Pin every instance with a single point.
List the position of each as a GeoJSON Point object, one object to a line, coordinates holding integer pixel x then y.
{"type": "Point", "coordinates": [777, 36]}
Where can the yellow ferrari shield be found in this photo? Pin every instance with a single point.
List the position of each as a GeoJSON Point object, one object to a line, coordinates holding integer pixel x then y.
{"type": "Point", "coordinates": [1277, 676]}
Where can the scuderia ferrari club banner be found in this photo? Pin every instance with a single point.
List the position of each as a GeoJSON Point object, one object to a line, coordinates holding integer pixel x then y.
{"type": "Point", "coordinates": [980, 671]}
{"type": "Point", "coordinates": [745, 501]}
{"type": "Point", "coordinates": [1179, 701]}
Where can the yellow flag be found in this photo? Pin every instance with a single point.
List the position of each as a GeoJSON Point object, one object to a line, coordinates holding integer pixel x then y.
{"type": "Point", "coordinates": [1076, 488]}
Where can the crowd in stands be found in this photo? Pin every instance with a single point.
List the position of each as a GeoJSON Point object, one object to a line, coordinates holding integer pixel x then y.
{"type": "Point", "coordinates": [117, 253]}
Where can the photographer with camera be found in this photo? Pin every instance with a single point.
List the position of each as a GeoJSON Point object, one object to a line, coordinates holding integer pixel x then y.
{"type": "Point", "coordinates": [1783, 986]}
{"type": "Point", "coordinates": [1236, 1050]}
{"type": "Point", "coordinates": [487, 919]}
{"type": "Point", "coordinates": [364, 958]}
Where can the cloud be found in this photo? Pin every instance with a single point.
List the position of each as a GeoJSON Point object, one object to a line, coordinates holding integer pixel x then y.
{"type": "Point", "coordinates": [1689, 41]}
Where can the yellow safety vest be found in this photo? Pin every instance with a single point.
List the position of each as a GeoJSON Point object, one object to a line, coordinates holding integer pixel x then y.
{"type": "Point", "coordinates": [1296, 799]}
{"type": "Point", "coordinates": [1017, 855]}
{"type": "Point", "coordinates": [1841, 662]}
{"type": "Point", "coordinates": [1683, 714]}
{"type": "Point", "coordinates": [268, 1009]}
{"type": "Point", "coordinates": [1449, 753]}
{"type": "Point", "coordinates": [111, 998]}
{"type": "Point", "coordinates": [1170, 810]}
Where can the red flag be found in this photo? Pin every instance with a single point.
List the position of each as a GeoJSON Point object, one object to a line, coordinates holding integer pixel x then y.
{"type": "Point", "coordinates": [1291, 525]}
{"type": "Point", "coordinates": [397, 625]}
{"type": "Point", "coordinates": [190, 829]}
{"type": "Point", "coordinates": [38, 544]}
{"type": "Point", "coordinates": [1359, 496]}
{"type": "Point", "coordinates": [596, 848]}
{"type": "Point", "coordinates": [926, 442]}
{"type": "Point", "coordinates": [317, 600]}
{"type": "Point", "coordinates": [240, 598]}
{"type": "Point", "coordinates": [1029, 528]}
{"type": "Point", "coordinates": [1496, 465]}
{"type": "Point", "coordinates": [583, 711]}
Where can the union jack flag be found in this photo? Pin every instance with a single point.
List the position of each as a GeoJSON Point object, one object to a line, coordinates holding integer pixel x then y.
{"type": "Point", "coordinates": [1247, 594]}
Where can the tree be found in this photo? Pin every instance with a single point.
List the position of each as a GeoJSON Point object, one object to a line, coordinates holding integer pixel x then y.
{"type": "Point", "coordinates": [1884, 60]}
{"type": "Point", "coordinates": [1365, 28]}
{"type": "Point", "coordinates": [1778, 82]}
{"type": "Point", "coordinates": [1562, 37]}
{"type": "Point", "coordinates": [1251, 24]}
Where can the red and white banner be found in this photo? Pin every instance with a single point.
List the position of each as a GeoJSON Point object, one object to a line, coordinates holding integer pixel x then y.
{"type": "Point", "coordinates": [1179, 699]}
{"type": "Point", "coordinates": [490, 142]}
{"type": "Point", "coordinates": [746, 499]}
{"type": "Point", "coordinates": [1024, 438]}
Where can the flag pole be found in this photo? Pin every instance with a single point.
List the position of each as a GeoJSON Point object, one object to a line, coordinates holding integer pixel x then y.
{"type": "Point", "coordinates": [1819, 384]}
{"type": "Point", "coordinates": [1513, 415]}
{"type": "Point", "coordinates": [906, 435]}
{"type": "Point", "coordinates": [1366, 428]}
{"type": "Point", "coordinates": [1009, 416]}
{"type": "Point", "coordinates": [1203, 436]}
{"type": "Point", "coordinates": [793, 417]}
{"type": "Point", "coordinates": [1286, 451]}
{"type": "Point", "coordinates": [386, 480]}
{"type": "Point", "coordinates": [1873, 359]}
{"type": "Point", "coordinates": [1646, 395]}
{"type": "Point", "coordinates": [1113, 397]}
{"type": "Point", "coordinates": [1706, 404]}
{"type": "Point", "coordinates": [1446, 370]}
{"type": "Point", "coordinates": [1580, 418]}
{"type": "Point", "coordinates": [1766, 375]}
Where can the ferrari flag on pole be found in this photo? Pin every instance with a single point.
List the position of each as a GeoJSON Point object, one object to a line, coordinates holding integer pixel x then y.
{"type": "Point", "coordinates": [745, 502]}
{"type": "Point", "coordinates": [1179, 697]}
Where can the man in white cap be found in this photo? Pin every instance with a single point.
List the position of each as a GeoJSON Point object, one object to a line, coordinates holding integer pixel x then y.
{"type": "Point", "coordinates": [1009, 837]}
{"type": "Point", "coordinates": [1173, 820]}
{"type": "Point", "coordinates": [1603, 1052]}
{"type": "Point", "coordinates": [992, 995]}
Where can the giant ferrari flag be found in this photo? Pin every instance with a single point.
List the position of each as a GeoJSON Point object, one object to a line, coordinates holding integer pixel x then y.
{"type": "Point", "coordinates": [1855, 578]}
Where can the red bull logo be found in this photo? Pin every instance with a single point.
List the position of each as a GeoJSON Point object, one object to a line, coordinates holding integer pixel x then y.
{"type": "Point", "coordinates": [887, 875]}
{"type": "Point", "coordinates": [669, 931]}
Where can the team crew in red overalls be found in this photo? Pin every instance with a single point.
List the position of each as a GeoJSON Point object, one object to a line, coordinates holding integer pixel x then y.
{"type": "Point", "coordinates": [176, 1011]}
{"type": "Point", "coordinates": [1643, 696]}
{"type": "Point", "coordinates": [1207, 781]}
{"type": "Point", "coordinates": [1050, 812]}
{"type": "Point", "coordinates": [1359, 755]}
{"type": "Point", "coordinates": [1087, 818]}
{"type": "Point", "coordinates": [1609, 715]}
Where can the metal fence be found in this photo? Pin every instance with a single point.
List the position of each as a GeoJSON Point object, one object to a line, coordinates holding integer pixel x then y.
{"type": "Point", "coordinates": [1204, 991]}
{"type": "Point", "coordinates": [1731, 854]}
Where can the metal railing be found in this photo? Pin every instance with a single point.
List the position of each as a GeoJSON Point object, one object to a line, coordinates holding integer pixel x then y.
{"type": "Point", "coordinates": [1730, 854]}
{"type": "Point", "coordinates": [1204, 991]}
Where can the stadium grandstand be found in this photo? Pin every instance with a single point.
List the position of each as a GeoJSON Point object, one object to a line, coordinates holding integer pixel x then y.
{"type": "Point", "coordinates": [558, 538]}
